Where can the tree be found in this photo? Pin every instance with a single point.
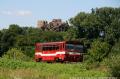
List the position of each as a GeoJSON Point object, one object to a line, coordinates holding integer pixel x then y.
{"type": "Point", "coordinates": [27, 41]}
{"type": "Point", "coordinates": [50, 36]}
{"type": "Point", "coordinates": [113, 31]}
{"type": "Point", "coordinates": [101, 22]}
{"type": "Point", "coordinates": [15, 29]}
{"type": "Point", "coordinates": [8, 37]}
{"type": "Point", "coordinates": [77, 21]}
{"type": "Point", "coordinates": [87, 24]}
{"type": "Point", "coordinates": [109, 18]}
{"type": "Point", "coordinates": [7, 41]}
{"type": "Point", "coordinates": [0, 43]}
{"type": "Point", "coordinates": [71, 34]}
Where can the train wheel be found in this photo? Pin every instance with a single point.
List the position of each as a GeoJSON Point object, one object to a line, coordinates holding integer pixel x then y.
{"type": "Point", "coordinates": [38, 60]}
{"type": "Point", "coordinates": [59, 60]}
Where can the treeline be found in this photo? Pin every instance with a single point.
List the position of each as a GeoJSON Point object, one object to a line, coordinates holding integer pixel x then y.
{"type": "Point", "coordinates": [98, 30]}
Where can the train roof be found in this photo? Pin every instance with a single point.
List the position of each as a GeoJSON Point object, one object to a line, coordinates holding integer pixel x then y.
{"type": "Point", "coordinates": [67, 42]}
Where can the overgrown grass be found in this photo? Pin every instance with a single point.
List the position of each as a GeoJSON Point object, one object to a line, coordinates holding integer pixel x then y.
{"type": "Point", "coordinates": [12, 69]}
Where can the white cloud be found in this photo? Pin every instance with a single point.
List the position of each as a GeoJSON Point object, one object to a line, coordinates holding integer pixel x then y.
{"type": "Point", "coordinates": [6, 12]}
{"type": "Point", "coordinates": [17, 13]}
{"type": "Point", "coordinates": [23, 13]}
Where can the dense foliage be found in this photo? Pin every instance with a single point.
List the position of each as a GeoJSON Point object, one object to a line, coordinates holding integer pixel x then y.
{"type": "Point", "coordinates": [16, 54]}
{"type": "Point", "coordinates": [98, 50]}
{"type": "Point", "coordinates": [113, 60]}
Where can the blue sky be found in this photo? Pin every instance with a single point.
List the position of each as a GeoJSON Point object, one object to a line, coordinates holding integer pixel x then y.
{"type": "Point", "coordinates": [27, 12]}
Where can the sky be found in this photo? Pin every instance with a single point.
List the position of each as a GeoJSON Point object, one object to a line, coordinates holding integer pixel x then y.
{"type": "Point", "coordinates": [28, 12]}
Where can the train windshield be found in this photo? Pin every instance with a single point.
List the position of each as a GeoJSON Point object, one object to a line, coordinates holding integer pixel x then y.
{"type": "Point", "coordinates": [69, 46]}
{"type": "Point", "coordinates": [79, 48]}
{"type": "Point", "coordinates": [72, 47]}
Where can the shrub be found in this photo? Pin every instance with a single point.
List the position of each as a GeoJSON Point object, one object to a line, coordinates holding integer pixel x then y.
{"type": "Point", "coordinates": [115, 66]}
{"type": "Point", "coordinates": [113, 61]}
{"type": "Point", "coordinates": [15, 54]}
{"type": "Point", "coordinates": [98, 50]}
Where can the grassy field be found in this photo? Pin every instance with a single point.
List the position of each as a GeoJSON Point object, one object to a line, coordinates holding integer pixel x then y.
{"type": "Point", "coordinates": [11, 69]}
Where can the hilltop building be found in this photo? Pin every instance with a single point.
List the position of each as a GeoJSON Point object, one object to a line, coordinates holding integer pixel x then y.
{"type": "Point", "coordinates": [55, 25]}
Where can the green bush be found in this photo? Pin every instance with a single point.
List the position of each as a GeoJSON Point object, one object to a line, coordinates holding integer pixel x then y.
{"type": "Point", "coordinates": [15, 54]}
{"type": "Point", "coordinates": [115, 66]}
{"type": "Point", "coordinates": [113, 63]}
{"type": "Point", "coordinates": [98, 50]}
{"type": "Point", "coordinates": [113, 60]}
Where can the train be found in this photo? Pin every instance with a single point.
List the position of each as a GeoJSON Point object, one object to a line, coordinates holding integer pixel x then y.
{"type": "Point", "coordinates": [63, 51]}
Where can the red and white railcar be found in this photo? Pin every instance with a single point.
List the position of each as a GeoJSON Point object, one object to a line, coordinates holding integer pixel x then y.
{"type": "Point", "coordinates": [59, 51]}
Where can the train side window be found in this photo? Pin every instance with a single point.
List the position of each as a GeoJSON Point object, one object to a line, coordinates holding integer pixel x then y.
{"type": "Point", "coordinates": [50, 47]}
